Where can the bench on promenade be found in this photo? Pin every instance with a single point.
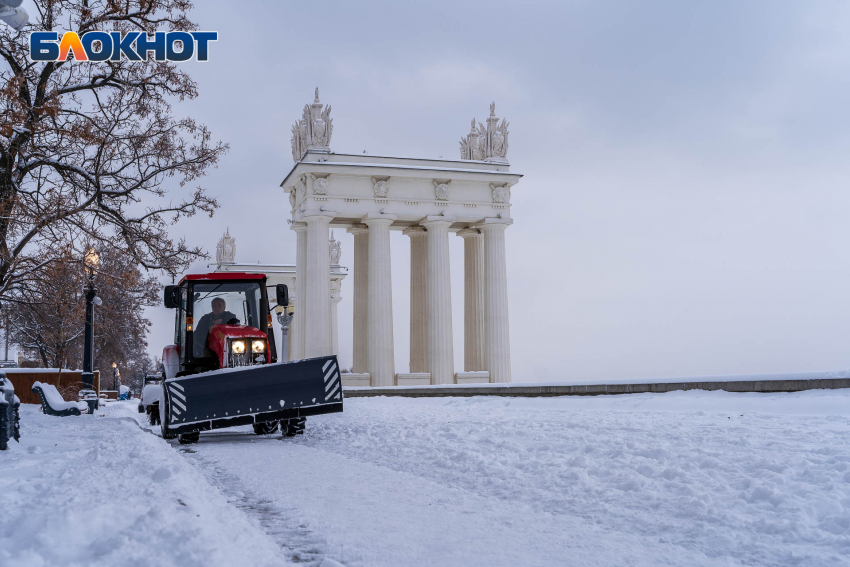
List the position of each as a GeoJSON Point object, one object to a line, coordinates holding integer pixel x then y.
{"type": "Point", "coordinates": [10, 416]}
{"type": "Point", "coordinates": [52, 402]}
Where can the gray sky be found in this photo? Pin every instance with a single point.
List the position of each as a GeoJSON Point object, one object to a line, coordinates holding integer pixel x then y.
{"type": "Point", "coordinates": [686, 165]}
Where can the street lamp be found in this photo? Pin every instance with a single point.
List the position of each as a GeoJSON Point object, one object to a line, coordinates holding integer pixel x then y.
{"type": "Point", "coordinates": [12, 14]}
{"type": "Point", "coordinates": [92, 262]}
{"type": "Point", "coordinates": [284, 317]}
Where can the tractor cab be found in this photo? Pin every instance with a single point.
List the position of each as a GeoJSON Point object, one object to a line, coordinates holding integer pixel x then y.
{"type": "Point", "coordinates": [222, 321]}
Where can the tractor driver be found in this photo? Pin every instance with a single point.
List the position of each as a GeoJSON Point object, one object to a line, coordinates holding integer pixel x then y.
{"type": "Point", "coordinates": [218, 317]}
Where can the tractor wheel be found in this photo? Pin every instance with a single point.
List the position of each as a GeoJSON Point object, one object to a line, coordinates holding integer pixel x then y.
{"type": "Point", "coordinates": [189, 438]}
{"type": "Point", "coordinates": [266, 428]}
{"type": "Point", "coordinates": [153, 415]}
{"type": "Point", "coordinates": [293, 427]}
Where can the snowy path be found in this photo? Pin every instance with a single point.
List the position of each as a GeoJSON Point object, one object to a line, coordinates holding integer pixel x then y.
{"type": "Point", "coordinates": [684, 478]}
{"type": "Point", "coordinates": [724, 479]}
{"type": "Point", "coordinates": [84, 491]}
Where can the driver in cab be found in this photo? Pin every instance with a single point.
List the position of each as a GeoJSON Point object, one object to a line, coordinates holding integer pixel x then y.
{"type": "Point", "coordinates": [219, 316]}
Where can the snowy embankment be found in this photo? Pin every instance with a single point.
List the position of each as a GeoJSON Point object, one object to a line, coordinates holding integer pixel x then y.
{"type": "Point", "coordinates": [85, 490]}
{"type": "Point", "coordinates": [683, 478]}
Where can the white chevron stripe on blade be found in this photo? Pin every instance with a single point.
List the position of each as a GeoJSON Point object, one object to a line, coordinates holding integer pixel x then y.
{"type": "Point", "coordinates": [331, 383]}
{"type": "Point", "coordinates": [176, 411]}
{"type": "Point", "coordinates": [331, 371]}
{"type": "Point", "coordinates": [176, 385]}
{"type": "Point", "coordinates": [332, 392]}
{"type": "Point", "coordinates": [337, 397]}
{"type": "Point", "coordinates": [178, 394]}
{"type": "Point", "coordinates": [325, 367]}
{"type": "Point", "coordinates": [178, 404]}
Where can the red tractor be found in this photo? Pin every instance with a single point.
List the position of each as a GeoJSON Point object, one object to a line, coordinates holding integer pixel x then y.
{"type": "Point", "coordinates": [222, 369]}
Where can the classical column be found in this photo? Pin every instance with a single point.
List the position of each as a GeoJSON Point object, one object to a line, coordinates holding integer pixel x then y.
{"type": "Point", "coordinates": [496, 300]}
{"type": "Point", "coordinates": [418, 298]}
{"type": "Point", "coordinates": [336, 297]}
{"type": "Point", "coordinates": [474, 345]}
{"type": "Point", "coordinates": [361, 297]}
{"type": "Point", "coordinates": [318, 312]}
{"type": "Point", "coordinates": [299, 323]}
{"type": "Point", "coordinates": [440, 347]}
{"type": "Point", "coordinates": [380, 301]}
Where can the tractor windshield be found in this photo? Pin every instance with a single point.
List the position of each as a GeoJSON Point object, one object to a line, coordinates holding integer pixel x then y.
{"type": "Point", "coordinates": [225, 303]}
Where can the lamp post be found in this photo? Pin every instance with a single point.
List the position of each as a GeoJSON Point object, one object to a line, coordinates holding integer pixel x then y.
{"type": "Point", "coordinates": [284, 317]}
{"type": "Point", "coordinates": [92, 261]}
{"type": "Point", "coordinates": [114, 376]}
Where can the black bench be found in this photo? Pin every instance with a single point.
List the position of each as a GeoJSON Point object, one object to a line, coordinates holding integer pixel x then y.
{"type": "Point", "coordinates": [52, 402]}
{"type": "Point", "coordinates": [10, 416]}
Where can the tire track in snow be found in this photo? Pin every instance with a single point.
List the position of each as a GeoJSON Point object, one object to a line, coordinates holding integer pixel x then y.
{"type": "Point", "coordinates": [297, 542]}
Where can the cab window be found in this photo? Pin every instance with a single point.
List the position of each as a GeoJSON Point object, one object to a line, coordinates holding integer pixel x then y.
{"type": "Point", "coordinates": [224, 303]}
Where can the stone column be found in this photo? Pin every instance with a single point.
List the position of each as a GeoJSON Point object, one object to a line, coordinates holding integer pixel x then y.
{"type": "Point", "coordinates": [318, 312]}
{"type": "Point", "coordinates": [440, 347]}
{"type": "Point", "coordinates": [299, 323]}
{"type": "Point", "coordinates": [336, 297]}
{"type": "Point", "coordinates": [474, 345]}
{"type": "Point", "coordinates": [361, 297]}
{"type": "Point", "coordinates": [380, 301]}
{"type": "Point", "coordinates": [496, 300]}
{"type": "Point", "coordinates": [418, 298]}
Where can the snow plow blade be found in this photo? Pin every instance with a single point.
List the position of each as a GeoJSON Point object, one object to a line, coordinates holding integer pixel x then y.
{"type": "Point", "coordinates": [242, 396]}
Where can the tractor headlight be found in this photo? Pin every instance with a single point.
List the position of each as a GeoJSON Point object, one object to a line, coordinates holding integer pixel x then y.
{"type": "Point", "coordinates": [258, 346]}
{"type": "Point", "coordinates": [238, 347]}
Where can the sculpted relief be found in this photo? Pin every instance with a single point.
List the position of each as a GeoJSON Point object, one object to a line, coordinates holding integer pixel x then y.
{"type": "Point", "coordinates": [320, 185]}
{"type": "Point", "coordinates": [441, 190]}
{"type": "Point", "coordinates": [501, 193]}
{"type": "Point", "coordinates": [381, 187]}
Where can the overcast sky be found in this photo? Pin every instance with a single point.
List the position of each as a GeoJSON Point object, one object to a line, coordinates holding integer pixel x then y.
{"type": "Point", "coordinates": [685, 197]}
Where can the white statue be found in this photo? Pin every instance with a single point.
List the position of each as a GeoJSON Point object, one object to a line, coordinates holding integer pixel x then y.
{"type": "Point", "coordinates": [488, 143]}
{"type": "Point", "coordinates": [225, 251]}
{"type": "Point", "coordinates": [441, 190]}
{"type": "Point", "coordinates": [335, 250]}
{"type": "Point", "coordinates": [313, 131]}
{"type": "Point", "coordinates": [381, 187]}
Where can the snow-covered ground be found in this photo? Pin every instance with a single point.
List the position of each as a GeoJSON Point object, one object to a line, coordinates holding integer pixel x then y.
{"type": "Point", "coordinates": [682, 478]}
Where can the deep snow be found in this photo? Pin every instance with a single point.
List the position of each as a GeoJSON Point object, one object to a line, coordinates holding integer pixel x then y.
{"type": "Point", "coordinates": [682, 478]}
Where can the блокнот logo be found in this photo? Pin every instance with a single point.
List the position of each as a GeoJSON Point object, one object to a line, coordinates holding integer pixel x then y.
{"type": "Point", "coordinates": [45, 46]}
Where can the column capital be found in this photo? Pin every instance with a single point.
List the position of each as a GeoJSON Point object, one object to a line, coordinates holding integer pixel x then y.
{"type": "Point", "coordinates": [298, 226]}
{"type": "Point", "coordinates": [469, 232]}
{"type": "Point", "coordinates": [415, 231]}
{"type": "Point", "coordinates": [379, 218]}
{"type": "Point", "coordinates": [494, 223]}
{"type": "Point", "coordinates": [358, 228]}
{"type": "Point", "coordinates": [313, 216]}
{"type": "Point", "coordinates": [437, 220]}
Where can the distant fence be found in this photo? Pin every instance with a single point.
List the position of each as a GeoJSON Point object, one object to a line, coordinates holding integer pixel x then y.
{"type": "Point", "coordinates": [520, 390]}
{"type": "Point", "coordinates": [68, 382]}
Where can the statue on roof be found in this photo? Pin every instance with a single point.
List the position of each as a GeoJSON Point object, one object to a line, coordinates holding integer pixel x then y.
{"type": "Point", "coordinates": [225, 251]}
{"type": "Point", "coordinates": [314, 130]}
{"type": "Point", "coordinates": [486, 143]}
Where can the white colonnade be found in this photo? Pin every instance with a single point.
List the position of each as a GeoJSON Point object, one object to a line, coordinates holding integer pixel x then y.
{"type": "Point", "coordinates": [427, 199]}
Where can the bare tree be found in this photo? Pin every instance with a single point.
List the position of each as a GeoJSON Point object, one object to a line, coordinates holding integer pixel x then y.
{"type": "Point", "coordinates": [46, 318]}
{"type": "Point", "coordinates": [89, 150]}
